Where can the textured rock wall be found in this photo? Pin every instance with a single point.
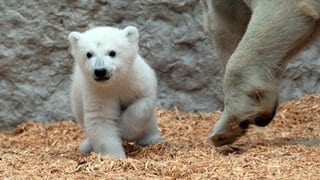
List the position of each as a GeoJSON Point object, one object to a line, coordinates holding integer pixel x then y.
{"type": "Point", "coordinates": [35, 65]}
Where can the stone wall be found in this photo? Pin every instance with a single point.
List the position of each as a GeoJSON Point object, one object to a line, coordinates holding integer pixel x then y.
{"type": "Point", "coordinates": [35, 65]}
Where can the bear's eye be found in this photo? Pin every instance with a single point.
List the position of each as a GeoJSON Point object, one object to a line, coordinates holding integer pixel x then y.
{"type": "Point", "coordinates": [89, 55]}
{"type": "Point", "coordinates": [112, 53]}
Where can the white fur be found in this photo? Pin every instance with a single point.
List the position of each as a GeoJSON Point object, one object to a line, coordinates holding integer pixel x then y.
{"type": "Point", "coordinates": [254, 40]}
{"type": "Point", "coordinates": [121, 107]}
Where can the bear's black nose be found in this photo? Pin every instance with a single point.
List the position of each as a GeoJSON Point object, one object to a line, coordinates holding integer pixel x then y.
{"type": "Point", "coordinates": [100, 72]}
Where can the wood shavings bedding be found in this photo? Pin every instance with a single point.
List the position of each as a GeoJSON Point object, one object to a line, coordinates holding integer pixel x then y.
{"type": "Point", "coordinates": [286, 149]}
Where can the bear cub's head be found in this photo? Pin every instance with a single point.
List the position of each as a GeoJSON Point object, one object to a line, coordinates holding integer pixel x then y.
{"type": "Point", "coordinates": [105, 53]}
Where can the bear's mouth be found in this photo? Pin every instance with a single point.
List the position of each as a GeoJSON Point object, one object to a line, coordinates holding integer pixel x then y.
{"type": "Point", "coordinates": [101, 79]}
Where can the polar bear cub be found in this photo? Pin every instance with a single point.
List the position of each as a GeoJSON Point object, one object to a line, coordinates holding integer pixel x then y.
{"type": "Point", "coordinates": [114, 91]}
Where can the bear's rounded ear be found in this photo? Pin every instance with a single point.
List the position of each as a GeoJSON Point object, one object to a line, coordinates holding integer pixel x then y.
{"type": "Point", "coordinates": [131, 33]}
{"type": "Point", "coordinates": [74, 38]}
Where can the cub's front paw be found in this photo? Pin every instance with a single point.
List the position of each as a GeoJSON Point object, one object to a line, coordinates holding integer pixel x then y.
{"type": "Point", "coordinates": [85, 146]}
{"type": "Point", "coordinates": [147, 140]}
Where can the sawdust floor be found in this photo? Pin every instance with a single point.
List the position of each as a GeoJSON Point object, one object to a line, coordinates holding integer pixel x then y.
{"type": "Point", "coordinates": [50, 151]}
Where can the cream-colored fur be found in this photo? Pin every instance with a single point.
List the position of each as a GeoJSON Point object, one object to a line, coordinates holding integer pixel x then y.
{"type": "Point", "coordinates": [254, 40]}
{"type": "Point", "coordinates": [114, 91]}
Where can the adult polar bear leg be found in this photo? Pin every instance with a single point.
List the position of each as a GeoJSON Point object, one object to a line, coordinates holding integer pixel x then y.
{"type": "Point", "coordinates": [226, 22]}
{"type": "Point", "coordinates": [138, 123]}
{"type": "Point", "coordinates": [276, 32]}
